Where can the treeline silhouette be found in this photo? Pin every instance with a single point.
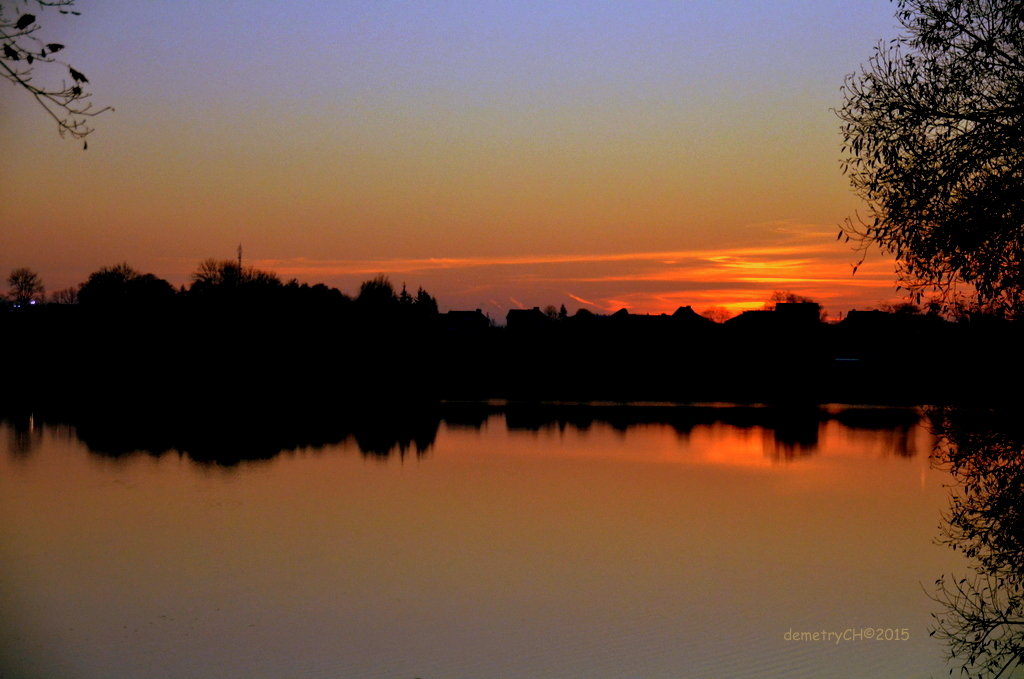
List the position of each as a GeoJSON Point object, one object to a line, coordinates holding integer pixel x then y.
{"type": "Point", "coordinates": [237, 337]}
{"type": "Point", "coordinates": [230, 437]}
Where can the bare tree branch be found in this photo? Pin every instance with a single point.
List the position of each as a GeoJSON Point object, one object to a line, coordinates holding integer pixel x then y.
{"type": "Point", "coordinates": [22, 52]}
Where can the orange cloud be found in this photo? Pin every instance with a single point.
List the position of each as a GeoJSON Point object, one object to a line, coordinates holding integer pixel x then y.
{"type": "Point", "coordinates": [803, 259]}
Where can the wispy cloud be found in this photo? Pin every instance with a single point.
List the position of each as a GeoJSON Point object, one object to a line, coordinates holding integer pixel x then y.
{"type": "Point", "coordinates": [336, 267]}
{"type": "Point", "coordinates": [585, 302]}
{"type": "Point", "coordinates": [803, 258]}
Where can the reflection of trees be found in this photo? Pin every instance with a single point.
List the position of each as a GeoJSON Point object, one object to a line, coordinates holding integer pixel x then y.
{"type": "Point", "coordinates": [793, 433]}
{"type": "Point", "coordinates": [789, 432]}
{"type": "Point", "coordinates": [983, 620]}
{"type": "Point", "coordinates": [232, 436]}
{"type": "Point", "coordinates": [383, 435]}
{"type": "Point", "coordinates": [894, 426]}
{"type": "Point", "coordinates": [243, 429]}
{"type": "Point", "coordinates": [24, 434]}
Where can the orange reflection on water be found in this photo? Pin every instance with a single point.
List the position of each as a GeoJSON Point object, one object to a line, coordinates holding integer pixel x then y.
{"type": "Point", "coordinates": [720, 443]}
{"type": "Point", "coordinates": [644, 551]}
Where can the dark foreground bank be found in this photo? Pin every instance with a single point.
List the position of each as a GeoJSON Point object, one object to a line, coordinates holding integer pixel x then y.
{"type": "Point", "coordinates": [247, 358]}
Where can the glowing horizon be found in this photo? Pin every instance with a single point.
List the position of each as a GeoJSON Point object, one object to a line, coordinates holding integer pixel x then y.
{"type": "Point", "coordinates": [496, 154]}
{"type": "Point", "coordinates": [704, 279]}
{"type": "Point", "coordinates": [736, 278]}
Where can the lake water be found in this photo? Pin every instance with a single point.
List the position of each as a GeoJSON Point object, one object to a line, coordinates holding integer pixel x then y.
{"type": "Point", "coordinates": [498, 550]}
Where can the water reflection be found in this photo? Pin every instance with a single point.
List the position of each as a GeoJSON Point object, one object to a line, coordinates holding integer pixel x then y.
{"type": "Point", "coordinates": [230, 436]}
{"type": "Point", "coordinates": [788, 432]}
{"type": "Point", "coordinates": [983, 612]}
{"type": "Point", "coordinates": [599, 541]}
{"type": "Point", "coordinates": [25, 434]}
{"type": "Point", "coordinates": [245, 435]}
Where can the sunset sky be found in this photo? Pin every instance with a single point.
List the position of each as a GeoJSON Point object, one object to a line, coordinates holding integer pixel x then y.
{"type": "Point", "coordinates": [643, 154]}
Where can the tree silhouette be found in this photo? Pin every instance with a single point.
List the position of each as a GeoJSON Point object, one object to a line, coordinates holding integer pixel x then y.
{"type": "Point", "coordinates": [67, 295]}
{"type": "Point", "coordinates": [932, 142]}
{"type": "Point", "coordinates": [983, 620]}
{"type": "Point", "coordinates": [786, 297]}
{"type": "Point", "coordinates": [25, 287]}
{"type": "Point", "coordinates": [718, 314]}
{"type": "Point", "coordinates": [377, 292]}
{"type": "Point", "coordinates": [426, 304]}
{"type": "Point", "coordinates": [791, 298]}
{"type": "Point", "coordinates": [121, 285]}
{"type": "Point", "coordinates": [225, 275]}
{"type": "Point", "coordinates": [24, 55]}
{"type": "Point", "coordinates": [404, 298]}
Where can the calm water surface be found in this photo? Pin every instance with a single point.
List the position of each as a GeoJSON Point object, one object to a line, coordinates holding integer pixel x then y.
{"type": "Point", "coordinates": [499, 552]}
